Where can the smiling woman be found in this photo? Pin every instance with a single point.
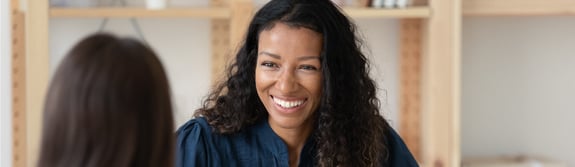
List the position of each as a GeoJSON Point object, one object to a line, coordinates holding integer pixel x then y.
{"type": "Point", "coordinates": [297, 94]}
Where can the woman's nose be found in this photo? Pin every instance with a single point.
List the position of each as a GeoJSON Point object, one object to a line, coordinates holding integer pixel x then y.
{"type": "Point", "coordinates": [287, 82]}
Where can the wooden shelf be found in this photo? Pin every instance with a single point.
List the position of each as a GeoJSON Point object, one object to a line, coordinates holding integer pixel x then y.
{"type": "Point", "coordinates": [518, 7]}
{"type": "Point", "coordinates": [220, 13]}
{"type": "Point", "coordinates": [208, 12]}
{"type": "Point", "coordinates": [411, 12]}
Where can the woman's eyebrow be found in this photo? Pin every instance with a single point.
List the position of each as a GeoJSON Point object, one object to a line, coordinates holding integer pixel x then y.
{"type": "Point", "coordinates": [308, 58]}
{"type": "Point", "coordinates": [276, 56]}
{"type": "Point", "coordinates": [270, 54]}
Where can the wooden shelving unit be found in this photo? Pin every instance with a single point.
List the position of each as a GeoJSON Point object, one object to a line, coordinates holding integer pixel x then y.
{"type": "Point", "coordinates": [219, 13]}
{"type": "Point", "coordinates": [431, 45]}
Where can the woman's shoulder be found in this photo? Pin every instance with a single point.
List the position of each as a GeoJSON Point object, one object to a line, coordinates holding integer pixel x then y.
{"type": "Point", "coordinates": [399, 153]}
{"type": "Point", "coordinates": [195, 124]}
{"type": "Point", "coordinates": [198, 124]}
{"type": "Point", "coordinates": [194, 130]}
{"type": "Point", "coordinates": [193, 143]}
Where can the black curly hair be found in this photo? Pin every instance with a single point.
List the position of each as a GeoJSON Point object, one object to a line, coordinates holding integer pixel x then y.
{"type": "Point", "coordinates": [349, 129]}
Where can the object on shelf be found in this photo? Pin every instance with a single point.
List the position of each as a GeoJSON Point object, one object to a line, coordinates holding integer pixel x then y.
{"type": "Point", "coordinates": [377, 3]}
{"type": "Point", "coordinates": [402, 3]}
{"type": "Point", "coordinates": [389, 3]}
{"type": "Point", "coordinates": [363, 3]}
{"type": "Point", "coordinates": [75, 3]}
{"type": "Point", "coordinates": [511, 161]}
{"type": "Point", "coordinates": [156, 4]}
{"type": "Point", "coordinates": [353, 3]}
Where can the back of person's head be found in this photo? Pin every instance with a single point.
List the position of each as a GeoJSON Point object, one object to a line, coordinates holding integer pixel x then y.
{"type": "Point", "coordinates": [109, 105]}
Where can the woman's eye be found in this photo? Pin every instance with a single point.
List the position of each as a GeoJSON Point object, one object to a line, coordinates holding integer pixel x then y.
{"type": "Point", "coordinates": [269, 64]}
{"type": "Point", "coordinates": [308, 67]}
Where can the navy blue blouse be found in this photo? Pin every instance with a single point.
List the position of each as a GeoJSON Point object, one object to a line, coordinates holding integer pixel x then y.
{"type": "Point", "coordinates": [255, 146]}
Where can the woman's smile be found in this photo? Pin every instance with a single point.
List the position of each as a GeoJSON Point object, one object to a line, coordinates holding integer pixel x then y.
{"type": "Point", "coordinates": [289, 106]}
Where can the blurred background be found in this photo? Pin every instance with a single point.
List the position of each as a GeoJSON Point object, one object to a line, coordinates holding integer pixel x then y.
{"type": "Point", "coordinates": [516, 75]}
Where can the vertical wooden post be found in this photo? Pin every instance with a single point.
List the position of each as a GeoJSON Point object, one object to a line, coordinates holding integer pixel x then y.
{"type": "Point", "coordinates": [37, 74]}
{"type": "Point", "coordinates": [441, 85]}
{"type": "Point", "coordinates": [220, 42]}
{"type": "Point", "coordinates": [18, 86]}
{"type": "Point", "coordinates": [228, 33]}
{"type": "Point", "coordinates": [242, 13]}
{"type": "Point", "coordinates": [410, 87]}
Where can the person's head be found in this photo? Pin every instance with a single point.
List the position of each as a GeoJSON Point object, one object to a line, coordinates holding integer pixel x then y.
{"type": "Point", "coordinates": [108, 104]}
{"type": "Point", "coordinates": [288, 75]}
{"type": "Point", "coordinates": [304, 55]}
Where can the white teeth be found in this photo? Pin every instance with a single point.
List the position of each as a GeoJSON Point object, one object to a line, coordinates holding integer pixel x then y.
{"type": "Point", "coordinates": [288, 104]}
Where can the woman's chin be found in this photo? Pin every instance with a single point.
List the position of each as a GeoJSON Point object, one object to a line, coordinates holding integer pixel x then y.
{"type": "Point", "coordinates": [286, 123]}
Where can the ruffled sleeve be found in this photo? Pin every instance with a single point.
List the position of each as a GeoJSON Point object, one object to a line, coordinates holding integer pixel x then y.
{"type": "Point", "coordinates": [191, 147]}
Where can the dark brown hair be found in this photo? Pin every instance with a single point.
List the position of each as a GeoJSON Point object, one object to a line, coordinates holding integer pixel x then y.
{"type": "Point", "coordinates": [349, 131]}
{"type": "Point", "coordinates": [109, 105]}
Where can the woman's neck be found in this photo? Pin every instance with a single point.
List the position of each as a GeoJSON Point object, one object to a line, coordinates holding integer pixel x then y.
{"type": "Point", "coordinates": [295, 142]}
{"type": "Point", "coordinates": [295, 139]}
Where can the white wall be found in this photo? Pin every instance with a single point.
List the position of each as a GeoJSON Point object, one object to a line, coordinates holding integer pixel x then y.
{"type": "Point", "coordinates": [519, 87]}
{"type": "Point", "coordinates": [184, 47]}
{"type": "Point", "coordinates": [5, 82]}
{"type": "Point", "coordinates": [182, 44]}
{"type": "Point", "coordinates": [381, 44]}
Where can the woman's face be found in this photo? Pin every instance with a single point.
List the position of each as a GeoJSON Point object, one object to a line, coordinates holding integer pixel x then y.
{"type": "Point", "coordinates": [288, 75]}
